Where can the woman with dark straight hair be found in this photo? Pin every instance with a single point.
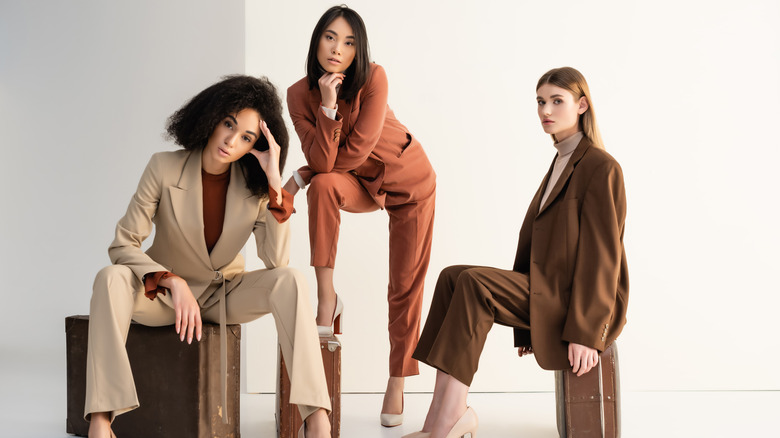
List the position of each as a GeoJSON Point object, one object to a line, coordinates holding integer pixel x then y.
{"type": "Point", "coordinates": [360, 159]}
{"type": "Point", "coordinates": [567, 293]}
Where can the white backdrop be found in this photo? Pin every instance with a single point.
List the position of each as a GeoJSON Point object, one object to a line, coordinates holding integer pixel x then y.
{"type": "Point", "coordinates": [686, 95]}
{"type": "Point", "coordinates": [85, 89]}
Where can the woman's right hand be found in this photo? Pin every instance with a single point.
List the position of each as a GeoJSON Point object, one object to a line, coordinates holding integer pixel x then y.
{"type": "Point", "coordinates": [186, 307]}
{"type": "Point", "coordinates": [329, 88]}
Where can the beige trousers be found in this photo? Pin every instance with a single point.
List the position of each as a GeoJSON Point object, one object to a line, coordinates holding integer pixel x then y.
{"type": "Point", "coordinates": [118, 298]}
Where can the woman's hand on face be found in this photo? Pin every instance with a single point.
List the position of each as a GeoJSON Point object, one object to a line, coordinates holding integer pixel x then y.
{"type": "Point", "coordinates": [329, 88]}
{"type": "Point", "coordinates": [269, 160]}
{"type": "Point", "coordinates": [582, 358]}
{"type": "Point", "coordinates": [187, 311]}
{"type": "Point", "coordinates": [522, 351]}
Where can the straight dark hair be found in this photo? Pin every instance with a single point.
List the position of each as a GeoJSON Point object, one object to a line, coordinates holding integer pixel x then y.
{"type": "Point", "coordinates": [192, 125]}
{"type": "Point", "coordinates": [357, 73]}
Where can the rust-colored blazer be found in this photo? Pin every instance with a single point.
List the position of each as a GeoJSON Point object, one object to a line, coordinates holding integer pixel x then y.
{"type": "Point", "coordinates": [365, 139]}
{"type": "Point", "coordinates": [573, 252]}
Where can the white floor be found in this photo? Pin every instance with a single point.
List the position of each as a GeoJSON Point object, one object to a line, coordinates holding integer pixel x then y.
{"type": "Point", "coordinates": [502, 415]}
{"type": "Point", "coordinates": [33, 404]}
{"type": "Point", "coordinates": [532, 415]}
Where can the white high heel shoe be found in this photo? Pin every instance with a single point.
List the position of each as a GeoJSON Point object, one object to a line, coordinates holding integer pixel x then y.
{"type": "Point", "coordinates": [465, 426]}
{"type": "Point", "coordinates": [392, 420]}
{"type": "Point", "coordinates": [418, 434]}
{"type": "Point", "coordinates": [335, 326]}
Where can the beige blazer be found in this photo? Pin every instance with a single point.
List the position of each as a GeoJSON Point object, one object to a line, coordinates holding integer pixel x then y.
{"type": "Point", "coordinates": [573, 252]}
{"type": "Point", "coordinates": [170, 197]}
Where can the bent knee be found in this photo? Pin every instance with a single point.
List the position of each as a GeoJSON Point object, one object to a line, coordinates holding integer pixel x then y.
{"type": "Point", "coordinates": [114, 282]}
{"type": "Point", "coordinates": [324, 184]}
{"type": "Point", "coordinates": [451, 274]}
{"type": "Point", "coordinates": [289, 278]}
{"type": "Point", "coordinates": [112, 274]}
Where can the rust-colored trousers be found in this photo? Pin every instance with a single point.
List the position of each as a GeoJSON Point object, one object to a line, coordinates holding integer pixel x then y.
{"type": "Point", "coordinates": [411, 230]}
{"type": "Point", "coordinates": [466, 303]}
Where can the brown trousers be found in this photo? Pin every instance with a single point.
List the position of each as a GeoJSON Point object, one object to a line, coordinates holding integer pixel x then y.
{"type": "Point", "coordinates": [411, 231]}
{"type": "Point", "coordinates": [466, 303]}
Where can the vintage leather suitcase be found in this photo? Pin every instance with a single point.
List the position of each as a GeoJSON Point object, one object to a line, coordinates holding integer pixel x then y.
{"type": "Point", "coordinates": [589, 405]}
{"type": "Point", "coordinates": [178, 384]}
{"type": "Point", "coordinates": [288, 419]}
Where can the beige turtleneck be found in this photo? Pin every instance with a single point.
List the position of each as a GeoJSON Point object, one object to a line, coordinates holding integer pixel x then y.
{"type": "Point", "coordinates": [565, 149]}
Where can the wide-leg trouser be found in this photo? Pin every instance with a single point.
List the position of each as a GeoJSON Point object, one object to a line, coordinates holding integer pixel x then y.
{"type": "Point", "coordinates": [118, 298]}
{"type": "Point", "coordinates": [466, 303]}
{"type": "Point", "coordinates": [411, 233]}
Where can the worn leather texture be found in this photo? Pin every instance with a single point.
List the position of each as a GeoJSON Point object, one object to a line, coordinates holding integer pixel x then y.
{"type": "Point", "coordinates": [288, 419]}
{"type": "Point", "coordinates": [589, 406]}
{"type": "Point", "coordinates": [177, 383]}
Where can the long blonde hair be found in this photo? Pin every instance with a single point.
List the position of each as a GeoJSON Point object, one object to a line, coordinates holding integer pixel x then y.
{"type": "Point", "coordinates": [572, 80]}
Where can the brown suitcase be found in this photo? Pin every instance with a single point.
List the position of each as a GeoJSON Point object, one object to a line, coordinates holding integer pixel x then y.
{"type": "Point", "coordinates": [288, 419]}
{"type": "Point", "coordinates": [177, 383]}
{"type": "Point", "coordinates": [589, 405]}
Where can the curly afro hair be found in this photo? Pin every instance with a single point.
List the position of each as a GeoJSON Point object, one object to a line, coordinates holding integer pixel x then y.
{"type": "Point", "coordinates": [192, 125]}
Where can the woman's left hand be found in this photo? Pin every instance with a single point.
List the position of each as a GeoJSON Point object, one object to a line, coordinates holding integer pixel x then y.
{"type": "Point", "coordinates": [582, 358]}
{"type": "Point", "coordinates": [269, 160]}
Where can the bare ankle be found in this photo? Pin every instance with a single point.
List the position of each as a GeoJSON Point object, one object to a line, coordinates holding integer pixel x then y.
{"type": "Point", "coordinates": [394, 396]}
{"type": "Point", "coordinates": [318, 424]}
{"type": "Point", "coordinates": [99, 425]}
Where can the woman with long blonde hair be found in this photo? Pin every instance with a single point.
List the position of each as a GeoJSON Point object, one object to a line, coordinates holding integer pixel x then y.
{"type": "Point", "coordinates": [567, 293]}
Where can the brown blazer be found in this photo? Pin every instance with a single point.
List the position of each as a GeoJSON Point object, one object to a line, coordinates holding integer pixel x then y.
{"type": "Point", "coordinates": [170, 196]}
{"type": "Point", "coordinates": [573, 252]}
{"type": "Point", "coordinates": [365, 139]}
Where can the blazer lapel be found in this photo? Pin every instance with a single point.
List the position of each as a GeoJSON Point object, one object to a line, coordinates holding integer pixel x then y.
{"type": "Point", "coordinates": [187, 202]}
{"type": "Point", "coordinates": [241, 208]}
{"type": "Point", "coordinates": [535, 203]}
{"type": "Point", "coordinates": [576, 156]}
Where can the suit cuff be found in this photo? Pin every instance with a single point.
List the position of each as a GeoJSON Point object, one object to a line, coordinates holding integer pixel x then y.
{"type": "Point", "coordinates": [299, 179]}
{"type": "Point", "coordinates": [280, 212]}
{"type": "Point", "coordinates": [330, 112]}
{"type": "Point", "coordinates": [151, 287]}
{"type": "Point", "coordinates": [522, 337]}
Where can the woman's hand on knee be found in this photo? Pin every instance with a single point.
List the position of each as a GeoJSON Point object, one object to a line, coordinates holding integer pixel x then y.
{"type": "Point", "coordinates": [582, 358]}
{"type": "Point", "coordinates": [187, 311]}
{"type": "Point", "coordinates": [522, 351]}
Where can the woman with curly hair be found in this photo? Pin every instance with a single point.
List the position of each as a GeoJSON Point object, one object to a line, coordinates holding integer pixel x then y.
{"type": "Point", "coordinates": [204, 201]}
{"type": "Point", "coordinates": [360, 159]}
